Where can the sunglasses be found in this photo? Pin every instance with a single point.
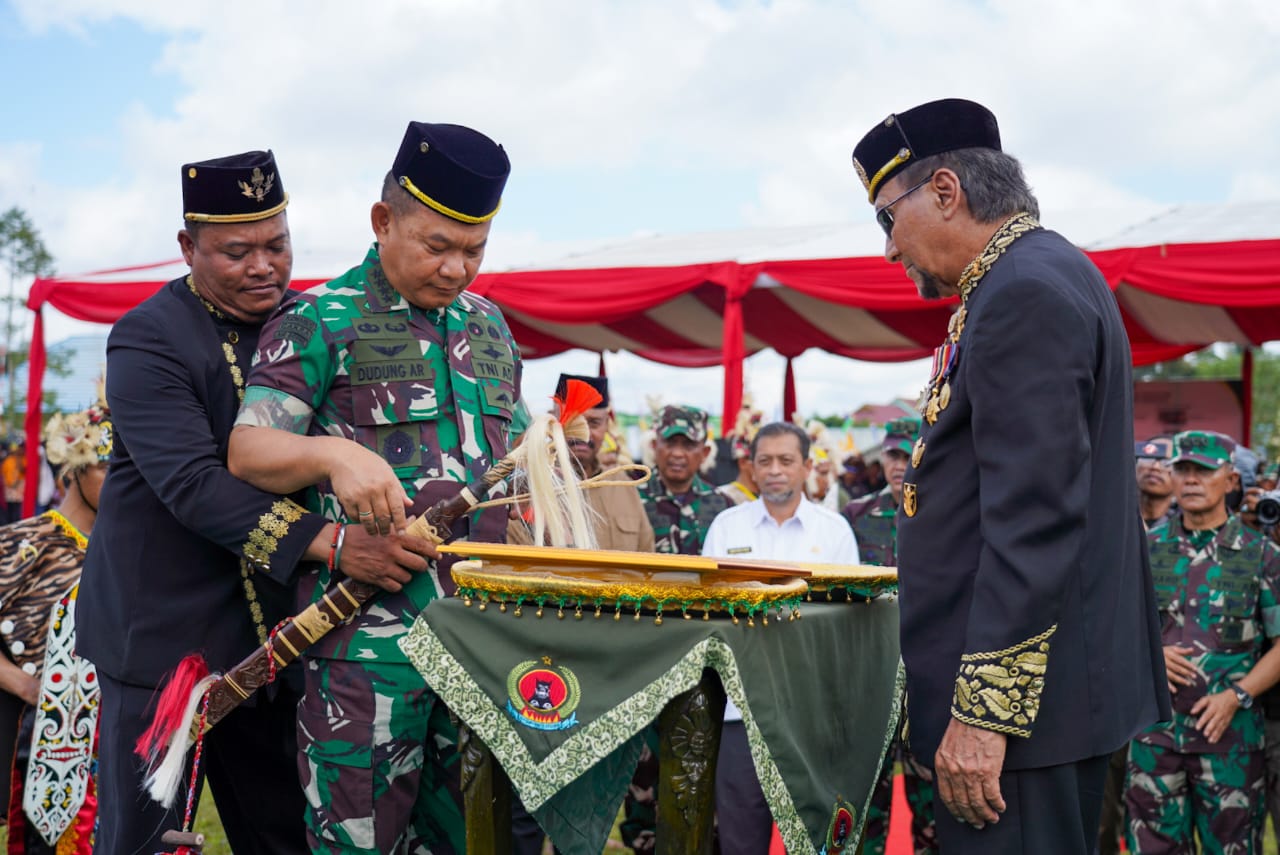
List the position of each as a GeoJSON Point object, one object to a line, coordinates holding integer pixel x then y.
{"type": "Point", "coordinates": [884, 216]}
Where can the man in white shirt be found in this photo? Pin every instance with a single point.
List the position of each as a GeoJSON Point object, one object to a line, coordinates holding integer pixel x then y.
{"type": "Point", "coordinates": [780, 525]}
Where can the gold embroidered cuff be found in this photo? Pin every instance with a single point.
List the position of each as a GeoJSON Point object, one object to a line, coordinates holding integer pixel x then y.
{"type": "Point", "coordinates": [273, 526]}
{"type": "Point", "coordinates": [1001, 690]}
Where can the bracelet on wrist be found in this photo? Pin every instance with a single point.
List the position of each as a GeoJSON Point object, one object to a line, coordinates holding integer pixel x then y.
{"type": "Point", "coordinates": [335, 546]}
{"type": "Point", "coordinates": [337, 552]}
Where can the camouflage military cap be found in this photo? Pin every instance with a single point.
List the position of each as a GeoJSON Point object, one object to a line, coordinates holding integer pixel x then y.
{"type": "Point", "coordinates": [901, 434]}
{"type": "Point", "coordinates": [1156, 448]}
{"type": "Point", "coordinates": [1271, 471]}
{"type": "Point", "coordinates": [1207, 448]}
{"type": "Point", "coordinates": [689, 421]}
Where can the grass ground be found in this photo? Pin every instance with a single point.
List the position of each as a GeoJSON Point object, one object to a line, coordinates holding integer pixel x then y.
{"type": "Point", "coordinates": [216, 842]}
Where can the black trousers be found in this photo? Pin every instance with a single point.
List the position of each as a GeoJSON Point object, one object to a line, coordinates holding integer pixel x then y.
{"type": "Point", "coordinates": [250, 760]}
{"type": "Point", "coordinates": [1048, 811]}
{"type": "Point", "coordinates": [743, 819]}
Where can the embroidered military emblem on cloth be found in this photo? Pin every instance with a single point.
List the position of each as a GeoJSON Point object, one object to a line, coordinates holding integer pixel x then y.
{"type": "Point", "coordinates": [258, 185]}
{"type": "Point", "coordinates": [543, 696]}
{"type": "Point", "coordinates": [841, 828]}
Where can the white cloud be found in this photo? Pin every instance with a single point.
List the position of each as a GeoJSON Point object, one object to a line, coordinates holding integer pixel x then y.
{"type": "Point", "coordinates": [1109, 105]}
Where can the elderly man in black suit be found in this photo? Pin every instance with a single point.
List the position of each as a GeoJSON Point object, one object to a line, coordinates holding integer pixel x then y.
{"type": "Point", "coordinates": [186, 558]}
{"type": "Point", "coordinates": [1029, 626]}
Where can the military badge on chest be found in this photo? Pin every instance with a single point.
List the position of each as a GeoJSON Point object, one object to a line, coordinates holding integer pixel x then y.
{"type": "Point", "coordinates": [910, 499]}
{"type": "Point", "coordinates": [937, 393]}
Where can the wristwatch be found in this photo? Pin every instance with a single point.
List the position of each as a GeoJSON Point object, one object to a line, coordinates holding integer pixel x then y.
{"type": "Point", "coordinates": [1245, 699]}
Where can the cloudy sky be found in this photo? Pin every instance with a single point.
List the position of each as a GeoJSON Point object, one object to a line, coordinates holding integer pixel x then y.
{"type": "Point", "coordinates": [621, 119]}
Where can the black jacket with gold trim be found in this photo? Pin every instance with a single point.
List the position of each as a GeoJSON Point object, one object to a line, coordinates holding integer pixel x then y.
{"type": "Point", "coordinates": [162, 577]}
{"type": "Point", "coordinates": [1026, 594]}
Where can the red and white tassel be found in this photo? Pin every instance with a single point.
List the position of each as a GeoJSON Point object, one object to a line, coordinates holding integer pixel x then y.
{"type": "Point", "coordinates": [164, 745]}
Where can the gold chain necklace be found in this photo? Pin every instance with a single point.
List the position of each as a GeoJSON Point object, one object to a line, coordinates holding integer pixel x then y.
{"type": "Point", "coordinates": [938, 394]}
{"type": "Point", "coordinates": [237, 379]}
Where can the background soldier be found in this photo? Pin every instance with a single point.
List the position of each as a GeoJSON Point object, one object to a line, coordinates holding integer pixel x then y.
{"type": "Point", "coordinates": [1155, 481]}
{"type": "Point", "coordinates": [679, 503]}
{"type": "Point", "coordinates": [1218, 584]}
{"type": "Point", "coordinates": [388, 388]}
{"type": "Point", "coordinates": [874, 521]}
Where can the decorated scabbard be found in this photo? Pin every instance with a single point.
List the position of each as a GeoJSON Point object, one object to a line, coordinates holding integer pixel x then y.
{"type": "Point", "coordinates": [339, 603]}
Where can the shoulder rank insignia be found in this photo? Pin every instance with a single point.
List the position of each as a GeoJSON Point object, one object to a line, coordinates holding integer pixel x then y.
{"type": "Point", "coordinates": [542, 696]}
{"type": "Point", "coordinates": [909, 499]}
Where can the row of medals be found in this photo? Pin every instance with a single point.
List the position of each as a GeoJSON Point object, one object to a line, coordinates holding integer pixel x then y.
{"type": "Point", "coordinates": [936, 398]}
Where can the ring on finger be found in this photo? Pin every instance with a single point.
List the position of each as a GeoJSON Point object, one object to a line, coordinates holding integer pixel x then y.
{"type": "Point", "coordinates": [366, 513]}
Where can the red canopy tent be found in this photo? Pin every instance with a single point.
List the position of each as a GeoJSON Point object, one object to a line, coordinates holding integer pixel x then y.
{"type": "Point", "coordinates": [1175, 298]}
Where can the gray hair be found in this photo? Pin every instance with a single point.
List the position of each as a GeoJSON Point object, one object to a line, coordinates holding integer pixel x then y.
{"type": "Point", "coordinates": [992, 180]}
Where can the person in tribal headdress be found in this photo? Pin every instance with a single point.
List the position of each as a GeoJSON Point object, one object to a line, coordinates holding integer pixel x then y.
{"type": "Point", "coordinates": [40, 563]}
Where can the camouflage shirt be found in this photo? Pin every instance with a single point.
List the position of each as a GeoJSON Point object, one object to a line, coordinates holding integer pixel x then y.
{"type": "Point", "coordinates": [874, 518]}
{"type": "Point", "coordinates": [434, 392]}
{"type": "Point", "coordinates": [680, 522]}
{"type": "Point", "coordinates": [1218, 592]}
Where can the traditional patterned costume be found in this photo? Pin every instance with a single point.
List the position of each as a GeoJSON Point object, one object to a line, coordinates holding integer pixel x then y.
{"type": "Point", "coordinates": [52, 799]}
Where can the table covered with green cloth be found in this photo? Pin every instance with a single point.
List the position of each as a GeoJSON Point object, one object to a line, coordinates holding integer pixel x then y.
{"type": "Point", "coordinates": [562, 704]}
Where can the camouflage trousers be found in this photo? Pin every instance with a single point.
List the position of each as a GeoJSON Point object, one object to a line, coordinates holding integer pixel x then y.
{"type": "Point", "coordinates": [1171, 797]}
{"type": "Point", "coordinates": [918, 783]}
{"type": "Point", "coordinates": [377, 762]}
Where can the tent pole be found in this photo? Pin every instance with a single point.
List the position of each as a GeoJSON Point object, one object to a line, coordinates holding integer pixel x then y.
{"type": "Point", "coordinates": [1246, 376]}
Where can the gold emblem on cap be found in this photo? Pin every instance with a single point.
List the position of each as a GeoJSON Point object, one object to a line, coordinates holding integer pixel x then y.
{"type": "Point", "coordinates": [917, 452]}
{"type": "Point", "coordinates": [909, 499]}
{"type": "Point", "coordinates": [258, 186]}
{"type": "Point", "coordinates": [862, 173]}
{"type": "Point", "coordinates": [191, 173]}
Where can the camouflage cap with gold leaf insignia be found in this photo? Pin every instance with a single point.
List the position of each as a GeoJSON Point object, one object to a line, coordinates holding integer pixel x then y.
{"type": "Point", "coordinates": [1209, 449]}
{"type": "Point", "coordinates": [689, 421]}
{"type": "Point", "coordinates": [901, 434]}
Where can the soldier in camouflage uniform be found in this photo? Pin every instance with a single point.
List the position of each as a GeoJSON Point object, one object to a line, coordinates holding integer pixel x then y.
{"type": "Point", "coordinates": [1218, 587]}
{"type": "Point", "coordinates": [874, 521]}
{"type": "Point", "coordinates": [680, 504]}
{"type": "Point", "coordinates": [389, 387]}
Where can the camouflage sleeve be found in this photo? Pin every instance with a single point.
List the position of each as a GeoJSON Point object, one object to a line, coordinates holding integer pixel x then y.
{"type": "Point", "coordinates": [296, 358]}
{"type": "Point", "coordinates": [1269, 595]}
{"type": "Point", "coordinates": [264, 407]}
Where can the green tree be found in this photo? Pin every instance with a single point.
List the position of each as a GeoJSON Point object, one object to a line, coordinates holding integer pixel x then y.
{"type": "Point", "coordinates": [24, 256]}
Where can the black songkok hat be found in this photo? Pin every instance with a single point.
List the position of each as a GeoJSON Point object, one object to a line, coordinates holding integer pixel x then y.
{"type": "Point", "coordinates": [241, 188]}
{"type": "Point", "coordinates": [600, 384]}
{"type": "Point", "coordinates": [923, 131]}
{"type": "Point", "coordinates": [453, 170]}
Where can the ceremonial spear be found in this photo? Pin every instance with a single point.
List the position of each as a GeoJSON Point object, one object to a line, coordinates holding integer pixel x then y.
{"type": "Point", "coordinates": [194, 700]}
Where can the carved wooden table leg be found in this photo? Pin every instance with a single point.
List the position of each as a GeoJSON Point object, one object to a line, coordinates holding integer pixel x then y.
{"type": "Point", "coordinates": [689, 743]}
{"type": "Point", "coordinates": [486, 795]}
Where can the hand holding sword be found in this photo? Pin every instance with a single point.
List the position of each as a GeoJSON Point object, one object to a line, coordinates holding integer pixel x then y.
{"type": "Point", "coordinates": [191, 705]}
